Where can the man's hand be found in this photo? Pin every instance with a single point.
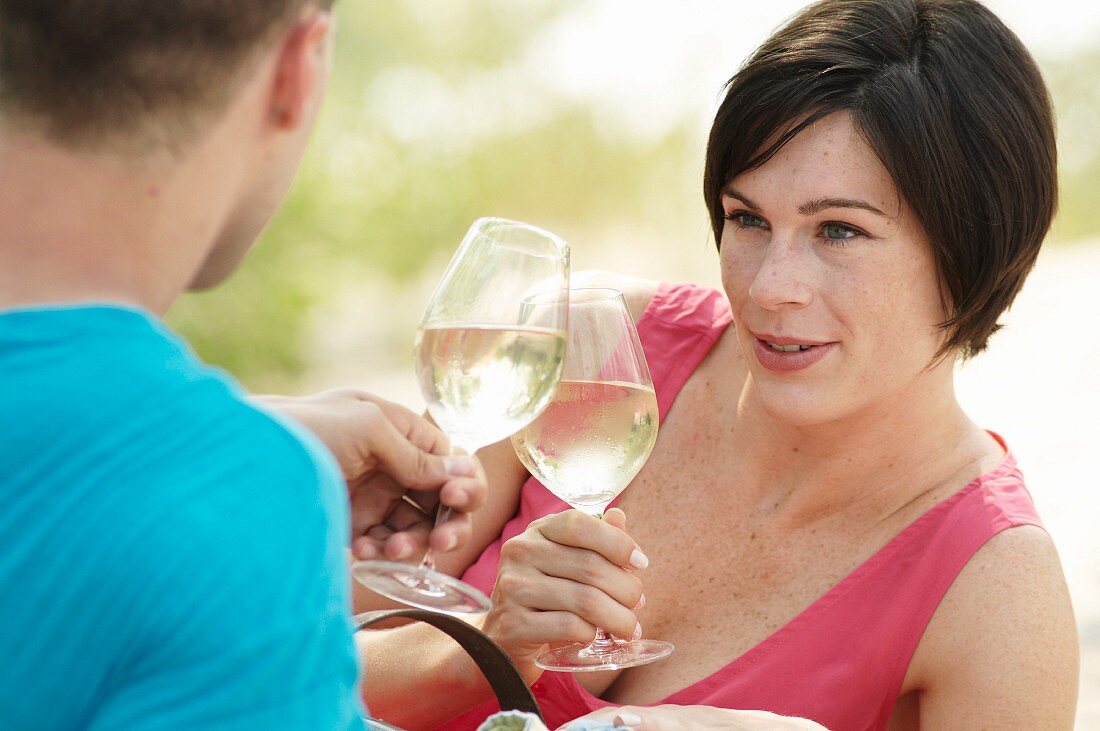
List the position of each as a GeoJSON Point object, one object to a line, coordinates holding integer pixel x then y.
{"type": "Point", "coordinates": [397, 466]}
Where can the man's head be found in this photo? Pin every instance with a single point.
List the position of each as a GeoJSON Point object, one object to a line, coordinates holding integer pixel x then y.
{"type": "Point", "coordinates": [147, 81]}
{"type": "Point", "coordinates": [129, 74]}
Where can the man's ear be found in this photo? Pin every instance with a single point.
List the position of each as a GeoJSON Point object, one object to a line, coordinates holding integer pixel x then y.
{"type": "Point", "coordinates": [301, 69]}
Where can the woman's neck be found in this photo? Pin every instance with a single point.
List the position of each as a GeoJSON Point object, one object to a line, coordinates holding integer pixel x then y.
{"type": "Point", "coordinates": [869, 462]}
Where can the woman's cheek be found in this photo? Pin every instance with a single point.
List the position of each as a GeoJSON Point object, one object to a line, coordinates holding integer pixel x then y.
{"type": "Point", "coordinates": [737, 270]}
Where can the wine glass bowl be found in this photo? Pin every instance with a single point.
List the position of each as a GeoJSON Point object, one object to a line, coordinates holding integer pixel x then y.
{"type": "Point", "coordinates": [487, 365]}
{"type": "Point", "coordinates": [592, 440]}
{"type": "Point", "coordinates": [592, 434]}
{"type": "Point", "coordinates": [483, 382]}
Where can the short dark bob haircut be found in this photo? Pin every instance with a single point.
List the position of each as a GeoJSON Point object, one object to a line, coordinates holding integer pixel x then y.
{"type": "Point", "coordinates": [952, 104]}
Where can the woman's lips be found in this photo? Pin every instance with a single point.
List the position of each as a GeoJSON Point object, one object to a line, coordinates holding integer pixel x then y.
{"type": "Point", "coordinates": [778, 360]}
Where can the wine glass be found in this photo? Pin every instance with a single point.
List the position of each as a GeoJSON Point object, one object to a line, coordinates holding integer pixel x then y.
{"type": "Point", "coordinates": [487, 366]}
{"type": "Point", "coordinates": [593, 439]}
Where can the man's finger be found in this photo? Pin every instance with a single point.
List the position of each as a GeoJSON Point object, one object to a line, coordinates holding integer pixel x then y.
{"type": "Point", "coordinates": [410, 465]}
{"type": "Point", "coordinates": [372, 500]}
{"type": "Point", "coordinates": [466, 494]}
{"type": "Point", "coordinates": [419, 430]}
{"type": "Point", "coordinates": [366, 548]}
{"type": "Point", "coordinates": [407, 544]}
{"type": "Point", "coordinates": [451, 534]}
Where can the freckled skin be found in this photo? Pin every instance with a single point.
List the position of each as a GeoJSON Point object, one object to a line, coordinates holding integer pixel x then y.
{"type": "Point", "coordinates": [876, 296]}
{"type": "Point", "coordinates": [766, 488]}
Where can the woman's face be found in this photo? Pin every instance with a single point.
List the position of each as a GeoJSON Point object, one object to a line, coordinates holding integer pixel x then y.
{"type": "Point", "coordinates": [831, 278]}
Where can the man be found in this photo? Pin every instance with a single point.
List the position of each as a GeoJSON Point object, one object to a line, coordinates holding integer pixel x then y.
{"type": "Point", "coordinates": [174, 555]}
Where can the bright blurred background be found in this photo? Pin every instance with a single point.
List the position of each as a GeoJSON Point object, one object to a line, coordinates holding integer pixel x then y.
{"type": "Point", "coordinates": [590, 119]}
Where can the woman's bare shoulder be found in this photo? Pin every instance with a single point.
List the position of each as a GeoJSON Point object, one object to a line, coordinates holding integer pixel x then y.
{"type": "Point", "coordinates": [637, 291]}
{"type": "Point", "coordinates": [1002, 646]}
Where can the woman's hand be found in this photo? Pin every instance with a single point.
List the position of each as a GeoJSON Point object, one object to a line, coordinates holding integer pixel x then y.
{"type": "Point", "coordinates": [559, 580]}
{"type": "Point", "coordinates": [684, 718]}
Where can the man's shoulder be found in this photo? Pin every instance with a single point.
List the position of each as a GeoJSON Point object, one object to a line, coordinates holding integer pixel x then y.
{"type": "Point", "coordinates": [100, 369]}
{"type": "Point", "coordinates": [238, 460]}
{"type": "Point", "coordinates": [138, 399]}
{"type": "Point", "coordinates": [243, 514]}
{"type": "Point", "coordinates": [118, 416]}
{"type": "Point", "coordinates": [210, 493]}
{"type": "Point", "coordinates": [154, 434]}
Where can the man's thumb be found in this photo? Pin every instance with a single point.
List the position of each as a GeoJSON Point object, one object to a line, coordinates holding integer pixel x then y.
{"type": "Point", "coordinates": [414, 468]}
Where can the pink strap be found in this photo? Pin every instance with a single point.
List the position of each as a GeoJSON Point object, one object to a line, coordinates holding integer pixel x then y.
{"type": "Point", "coordinates": [841, 661]}
{"type": "Point", "coordinates": [677, 329]}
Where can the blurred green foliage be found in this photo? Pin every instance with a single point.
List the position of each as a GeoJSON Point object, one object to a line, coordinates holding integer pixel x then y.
{"type": "Point", "coordinates": [371, 198]}
{"type": "Point", "coordinates": [426, 127]}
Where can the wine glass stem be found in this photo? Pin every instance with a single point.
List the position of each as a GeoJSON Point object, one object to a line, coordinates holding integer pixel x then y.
{"type": "Point", "coordinates": [442, 513]}
{"type": "Point", "coordinates": [603, 644]}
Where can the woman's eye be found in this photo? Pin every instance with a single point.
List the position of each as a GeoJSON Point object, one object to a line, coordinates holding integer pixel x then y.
{"type": "Point", "coordinates": [838, 232]}
{"type": "Point", "coordinates": [745, 220]}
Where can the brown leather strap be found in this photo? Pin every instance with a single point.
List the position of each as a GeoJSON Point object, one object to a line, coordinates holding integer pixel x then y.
{"type": "Point", "coordinates": [512, 693]}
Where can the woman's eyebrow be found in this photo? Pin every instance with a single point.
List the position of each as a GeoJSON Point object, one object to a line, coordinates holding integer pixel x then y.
{"type": "Point", "coordinates": [810, 207]}
{"type": "Point", "coordinates": [821, 204]}
{"type": "Point", "coordinates": [730, 192]}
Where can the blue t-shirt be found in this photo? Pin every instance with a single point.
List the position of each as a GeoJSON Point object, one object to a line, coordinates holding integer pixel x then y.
{"type": "Point", "coordinates": [171, 557]}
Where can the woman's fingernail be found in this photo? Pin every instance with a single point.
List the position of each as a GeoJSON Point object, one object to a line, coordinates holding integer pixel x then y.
{"type": "Point", "coordinates": [638, 559]}
{"type": "Point", "coordinates": [637, 631]}
{"type": "Point", "coordinates": [641, 602]}
{"type": "Point", "coordinates": [403, 552]}
{"type": "Point", "coordinates": [459, 466]}
{"type": "Point", "coordinates": [626, 718]}
{"type": "Point", "coordinates": [450, 543]}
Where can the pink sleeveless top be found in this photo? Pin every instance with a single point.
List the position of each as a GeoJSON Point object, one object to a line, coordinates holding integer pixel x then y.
{"type": "Point", "coordinates": [841, 661]}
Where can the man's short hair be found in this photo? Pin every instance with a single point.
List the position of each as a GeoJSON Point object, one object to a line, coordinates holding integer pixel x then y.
{"type": "Point", "coordinates": [128, 74]}
{"type": "Point", "coordinates": [952, 104]}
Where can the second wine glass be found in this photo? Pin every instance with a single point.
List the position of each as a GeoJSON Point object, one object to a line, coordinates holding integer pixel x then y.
{"type": "Point", "coordinates": [487, 366]}
{"type": "Point", "coordinates": [593, 439]}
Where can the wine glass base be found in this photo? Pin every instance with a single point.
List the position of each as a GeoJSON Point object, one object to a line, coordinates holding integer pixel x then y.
{"type": "Point", "coordinates": [420, 587]}
{"type": "Point", "coordinates": [578, 658]}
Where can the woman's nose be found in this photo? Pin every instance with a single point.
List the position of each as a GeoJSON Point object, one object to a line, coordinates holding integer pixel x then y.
{"type": "Point", "coordinates": [782, 279]}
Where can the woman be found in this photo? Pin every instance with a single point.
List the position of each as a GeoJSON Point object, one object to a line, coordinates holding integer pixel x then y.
{"type": "Point", "coordinates": [821, 531]}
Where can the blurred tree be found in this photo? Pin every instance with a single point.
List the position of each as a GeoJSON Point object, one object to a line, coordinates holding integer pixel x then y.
{"type": "Point", "coordinates": [429, 123]}
{"type": "Point", "coordinates": [436, 115]}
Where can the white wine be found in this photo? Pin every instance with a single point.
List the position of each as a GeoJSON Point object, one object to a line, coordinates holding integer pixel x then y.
{"type": "Point", "coordinates": [591, 441]}
{"type": "Point", "coordinates": [483, 382]}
